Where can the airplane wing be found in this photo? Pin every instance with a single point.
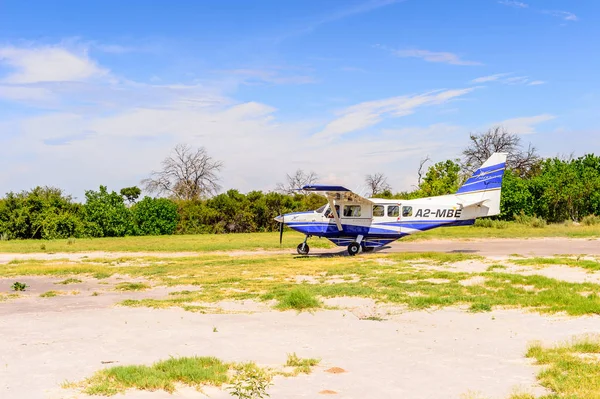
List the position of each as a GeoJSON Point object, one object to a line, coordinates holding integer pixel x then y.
{"type": "Point", "coordinates": [337, 193]}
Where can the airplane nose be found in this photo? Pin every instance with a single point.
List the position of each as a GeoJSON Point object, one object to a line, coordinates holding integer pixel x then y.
{"type": "Point", "coordinates": [279, 218]}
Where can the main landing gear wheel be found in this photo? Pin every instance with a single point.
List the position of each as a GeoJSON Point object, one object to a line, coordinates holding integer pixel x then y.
{"type": "Point", "coordinates": [303, 248]}
{"type": "Point", "coordinates": [353, 248]}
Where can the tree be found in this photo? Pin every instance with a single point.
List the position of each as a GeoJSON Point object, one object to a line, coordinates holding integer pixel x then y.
{"type": "Point", "coordinates": [296, 181]}
{"type": "Point", "coordinates": [131, 193]}
{"type": "Point", "coordinates": [187, 174]}
{"type": "Point", "coordinates": [441, 179]}
{"type": "Point", "coordinates": [106, 215]}
{"type": "Point", "coordinates": [377, 183]}
{"type": "Point", "coordinates": [523, 162]}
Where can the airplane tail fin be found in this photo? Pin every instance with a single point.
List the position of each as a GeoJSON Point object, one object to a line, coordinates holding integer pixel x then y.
{"type": "Point", "coordinates": [483, 187]}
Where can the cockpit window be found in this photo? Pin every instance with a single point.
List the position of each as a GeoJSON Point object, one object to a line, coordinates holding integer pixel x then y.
{"type": "Point", "coordinates": [378, 210]}
{"type": "Point", "coordinates": [407, 211]}
{"type": "Point", "coordinates": [321, 209]}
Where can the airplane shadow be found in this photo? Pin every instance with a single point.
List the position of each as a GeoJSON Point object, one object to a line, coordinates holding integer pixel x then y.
{"type": "Point", "coordinates": [344, 252]}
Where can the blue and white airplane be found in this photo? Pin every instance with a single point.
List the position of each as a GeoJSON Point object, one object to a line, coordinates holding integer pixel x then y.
{"type": "Point", "coordinates": [366, 223]}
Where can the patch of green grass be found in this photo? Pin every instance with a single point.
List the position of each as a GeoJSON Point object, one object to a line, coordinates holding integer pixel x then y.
{"type": "Point", "coordinates": [571, 370]}
{"type": "Point", "coordinates": [299, 299]}
{"type": "Point", "coordinates": [301, 365]}
{"type": "Point", "coordinates": [566, 261]}
{"type": "Point", "coordinates": [131, 286]}
{"type": "Point", "coordinates": [495, 267]}
{"type": "Point", "coordinates": [480, 307]}
{"type": "Point", "coordinates": [191, 371]}
{"type": "Point", "coordinates": [70, 281]}
{"type": "Point", "coordinates": [49, 294]}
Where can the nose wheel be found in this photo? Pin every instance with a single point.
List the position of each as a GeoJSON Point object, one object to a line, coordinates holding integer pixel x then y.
{"type": "Point", "coordinates": [303, 248]}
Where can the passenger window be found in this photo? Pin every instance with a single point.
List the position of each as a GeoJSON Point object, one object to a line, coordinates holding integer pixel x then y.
{"type": "Point", "coordinates": [378, 210]}
{"type": "Point", "coordinates": [406, 211]}
{"type": "Point", "coordinates": [393, 211]}
{"type": "Point", "coordinates": [352, 211]}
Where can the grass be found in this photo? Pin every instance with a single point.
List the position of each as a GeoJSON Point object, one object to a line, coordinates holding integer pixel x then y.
{"type": "Point", "coordinates": [402, 279]}
{"type": "Point", "coordinates": [301, 365]}
{"type": "Point", "coordinates": [299, 299]}
{"type": "Point", "coordinates": [131, 286]}
{"type": "Point", "coordinates": [69, 281]}
{"type": "Point", "coordinates": [49, 294]}
{"type": "Point", "coordinates": [270, 241]}
{"type": "Point", "coordinates": [172, 243]}
{"type": "Point", "coordinates": [564, 261]}
{"type": "Point", "coordinates": [570, 370]}
{"type": "Point", "coordinates": [191, 371]}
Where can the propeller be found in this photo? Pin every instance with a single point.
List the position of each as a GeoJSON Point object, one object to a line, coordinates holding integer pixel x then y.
{"type": "Point", "coordinates": [281, 230]}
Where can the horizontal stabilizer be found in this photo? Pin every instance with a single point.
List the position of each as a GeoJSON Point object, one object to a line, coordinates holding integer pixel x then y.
{"type": "Point", "coordinates": [476, 203]}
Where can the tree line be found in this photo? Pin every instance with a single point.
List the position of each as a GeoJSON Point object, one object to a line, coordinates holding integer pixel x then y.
{"type": "Point", "coordinates": [554, 189]}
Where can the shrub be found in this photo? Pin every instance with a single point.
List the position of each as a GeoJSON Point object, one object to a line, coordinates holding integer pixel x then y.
{"type": "Point", "coordinates": [155, 216]}
{"type": "Point", "coordinates": [250, 382]}
{"type": "Point", "coordinates": [590, 220]}
{"type": "Point", "coordinates": [106, 214]}
{"type": "Point", "coordinates": [531, 221]}
{"type": "Point", "coordinates": [17, 286]}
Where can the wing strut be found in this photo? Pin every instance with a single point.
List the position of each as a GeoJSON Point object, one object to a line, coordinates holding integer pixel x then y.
{"type": "Point", "coordinates": [335, 214]}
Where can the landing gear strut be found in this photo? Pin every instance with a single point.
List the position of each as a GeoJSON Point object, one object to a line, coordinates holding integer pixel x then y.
{"type": "Point", "coordinates": [303, 247]}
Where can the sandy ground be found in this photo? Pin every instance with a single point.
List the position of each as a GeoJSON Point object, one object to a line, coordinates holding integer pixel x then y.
{"type": "Point", "coordinates": [445, 353]}
{"type": "Point", "coordinates": [429, 354]}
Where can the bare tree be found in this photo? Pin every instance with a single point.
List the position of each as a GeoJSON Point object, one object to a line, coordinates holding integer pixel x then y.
{"type": "Point", "coordinates": [186, 174]}
{"type": "Point", "coordinates": [420, 172]}
{"type": "Point", "coordinates": [295, 182]}
{"type": "Point", "coordinates": [377, 183]}
{"type": "Point", "coordinates": [497, 139]}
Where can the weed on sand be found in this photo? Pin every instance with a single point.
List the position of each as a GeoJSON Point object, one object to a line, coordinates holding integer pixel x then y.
{"type": "Point", "coordinates": [301, 365]}
{"type": "Point", "coordinates": [571, 370]}
{"type": "Point", "coordinates": [393, 278]}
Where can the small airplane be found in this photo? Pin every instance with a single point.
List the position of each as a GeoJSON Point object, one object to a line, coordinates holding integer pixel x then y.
{"type": "Point", "coordinates": [359, 223]}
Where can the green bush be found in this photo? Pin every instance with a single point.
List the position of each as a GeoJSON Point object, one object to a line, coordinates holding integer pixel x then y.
{"type": "Point", "coordinates": [106, 214]}
{"type": "Point", "coordinates": [155, 216]}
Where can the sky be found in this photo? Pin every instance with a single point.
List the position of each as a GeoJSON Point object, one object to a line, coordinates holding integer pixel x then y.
{"type": "Point", "coordinates": [99, 92]}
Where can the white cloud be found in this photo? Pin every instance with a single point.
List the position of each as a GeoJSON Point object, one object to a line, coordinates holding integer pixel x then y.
{"type": "Point", "coordinates": [369, 113]}
{"type": "Point", "coordinates": [114, 132]}
{"type": "Point", "coordinates": [536, 82]}
{"type": "Point", "coordinates": [432, 56]}
{"type": "Point", "coordinates": [516, 80]}
{"type": "Point", "coordinates": [48, 64]}
{"type": "Point", "coordinates": [565, 15]}
{"type": "Point", "coordinates": [275, 76]}
{"type": "Point", "coordinates": [516, 4]}
{"type": "Point", "coordinates": [524, 125]}
{"type": "Point", "coordinates": [489, 78]}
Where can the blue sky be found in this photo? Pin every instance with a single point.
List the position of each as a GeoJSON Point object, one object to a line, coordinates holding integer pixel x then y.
{"type": "Point", "coordinates": [98, 92]}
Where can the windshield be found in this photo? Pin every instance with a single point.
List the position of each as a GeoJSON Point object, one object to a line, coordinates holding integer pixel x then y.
{"type": "Point", "coordinates": [321, 209]}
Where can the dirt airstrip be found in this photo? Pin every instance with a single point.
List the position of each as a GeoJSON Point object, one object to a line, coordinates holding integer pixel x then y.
{"type": "Point", "coordinates": [447, 353]}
